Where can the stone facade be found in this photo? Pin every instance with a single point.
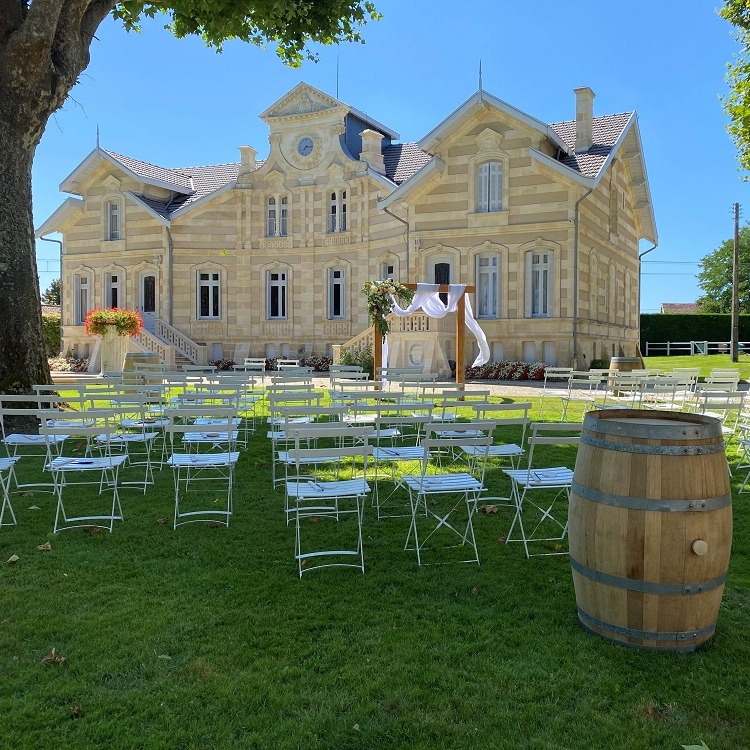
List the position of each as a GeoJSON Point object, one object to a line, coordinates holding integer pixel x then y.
{"type": "Point", "coordinates": [268, 257]}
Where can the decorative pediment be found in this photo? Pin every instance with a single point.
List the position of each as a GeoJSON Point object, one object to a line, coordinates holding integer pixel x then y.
{"type": "Point", "coordinates": [112, 184]}
{"type": "Point", "coordinates": [489, 140]}
{"type": "Point", "coordinates": [335, 172]}
{"type": "Point", "coordinates": [301, 102]}
{"type": "Point", "coordinates": [275, 179]}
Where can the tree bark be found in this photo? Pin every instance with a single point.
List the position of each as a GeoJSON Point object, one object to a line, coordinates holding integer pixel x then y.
{"type": "Point", "coordinates": [44, 47]}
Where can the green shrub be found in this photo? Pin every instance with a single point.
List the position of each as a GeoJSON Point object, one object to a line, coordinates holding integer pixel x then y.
{"type": "Point", "coordinates": [51, 328]}
{"type": "Point", "coordinates": [362, 357]}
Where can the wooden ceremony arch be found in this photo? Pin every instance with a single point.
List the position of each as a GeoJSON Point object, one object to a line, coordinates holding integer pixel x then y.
{"type": "Point", "coordinates": [377, 346]}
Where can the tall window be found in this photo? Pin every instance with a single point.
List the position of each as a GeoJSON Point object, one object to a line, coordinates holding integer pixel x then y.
{"type": "Point", "coordinates": [113, 221]}
{"type": "Point", "coordinates": [337, 211]}
{"type": "Point", "coordinates": [489, 191]}
{"type": "Point", "coordinates": [488, 286]}
{"type": "Point", "coordinates": [276, 217]}
{"type": "Point", "coordinates": [209, 294]}
{"type": "Point", "coordinates": [82, 291]}
{"type": "Point", "coordinates": [539, 284]}
{"type": "Point", "coordinates": [149, 293]}
{"type": "Point", "coordinates": [276, 295]}
{"type": "Point", "coordinates": [387, 270]}
{"type": "Point", "coordinates": [442, 275]}
{"type": "Point", "coordinates": [336, 293]}
{"type": "Point", "coordinates": [112, 290]}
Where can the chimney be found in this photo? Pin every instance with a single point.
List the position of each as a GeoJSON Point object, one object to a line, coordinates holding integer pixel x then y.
{"type": "Point", "coordinates": [372, 150]}
{"type": "Point", "coordinates": [247, 159]}
{"type": "Point", "coordinates": [584, 118]}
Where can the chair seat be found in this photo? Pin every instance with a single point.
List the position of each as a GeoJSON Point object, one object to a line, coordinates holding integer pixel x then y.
{"type": "Point", "coordinates": [203, 460]}
{"type": "Point", "coordinates": [65, 463]}
{"type": "Point", "coordinates": [401, 453]}
{"type": "Point", "coordinates": [559, 476]}
{"type": "Point", "coordinates": [308, 490]}
{"type": "Point", "coordinates": [496, 451]}
{"type": "Point", "coordinates": [33, 440]}
{"type": "Point", "coordinates": [127, 437]}
{"type": "Point", "coordinates": [436, 483]}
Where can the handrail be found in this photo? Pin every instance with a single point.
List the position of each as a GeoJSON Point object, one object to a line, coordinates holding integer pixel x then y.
{"type": "Point", "coordinates": [150, 343]}
{"type": "Point", "coordinates": [197, 353]}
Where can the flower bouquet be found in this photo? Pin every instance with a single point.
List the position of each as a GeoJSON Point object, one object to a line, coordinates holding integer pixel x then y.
{"type": "Point", "coordinates": [380, 300]}
{"type": "Point", "coordinates": [124, 322]}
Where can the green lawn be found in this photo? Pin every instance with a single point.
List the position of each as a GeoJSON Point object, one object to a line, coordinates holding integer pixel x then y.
{"type": "Point", "coordinates": [205, 638]}
{"type": "Point", "coordinates": [706, 363]}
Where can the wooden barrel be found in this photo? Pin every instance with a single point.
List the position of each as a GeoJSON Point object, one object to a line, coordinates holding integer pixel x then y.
{"type": "Point", "coordinates": [625, 364]}
{"type": "Point", "coordinates": [650, 527]}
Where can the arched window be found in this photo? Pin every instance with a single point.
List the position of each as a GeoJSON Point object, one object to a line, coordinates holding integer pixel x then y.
{"type": "Point", "coordinates": [112, 284]}
{"type": "Point", "coordinates": [114, 229]}
{"type": "Point", "coordinates": [489, 187]}
{"type": "Point", "coordinates": [337, 211]}
{"type": "Point", "coordinates": [277, 216]}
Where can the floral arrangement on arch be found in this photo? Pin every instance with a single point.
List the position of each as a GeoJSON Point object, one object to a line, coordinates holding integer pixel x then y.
{"type": "Point", "coordinates": [379, 302]}
{"type": "Point", "coordinates": [125, 322]}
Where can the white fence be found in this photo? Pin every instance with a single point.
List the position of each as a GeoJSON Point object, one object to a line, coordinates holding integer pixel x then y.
{"type": "Point", "coordinates": [686, 348]}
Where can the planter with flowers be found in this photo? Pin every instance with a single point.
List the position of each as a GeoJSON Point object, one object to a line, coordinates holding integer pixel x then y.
{"type": "Point", "coordinates": [114, 326]}
{"type": "Point", "coordinates": [380, 296]}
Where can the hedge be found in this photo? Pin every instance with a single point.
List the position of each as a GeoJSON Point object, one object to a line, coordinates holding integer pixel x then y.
{"type": "Point", "coordinates": [659, 327]}
{"type": "Point", "coordinates": [51, 330]}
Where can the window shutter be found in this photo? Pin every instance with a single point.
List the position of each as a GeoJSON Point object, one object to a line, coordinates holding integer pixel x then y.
{"type": "Point", "coordinates": [496, 186]}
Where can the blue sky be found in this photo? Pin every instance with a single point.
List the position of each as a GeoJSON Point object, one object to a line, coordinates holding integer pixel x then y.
{"type": "Point", "coordinates": [176, 103]}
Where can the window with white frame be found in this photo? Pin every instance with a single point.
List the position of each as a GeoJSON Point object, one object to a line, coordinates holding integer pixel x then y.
{"type": "Point", "coordinates": [82, 290]}
{"type": "Point", "coordinates": [337, 211]}
{"type": "Point", "coordinates": [539, 284]}
{"type": "Point", "coordinates": [276, 216]}
{"type": "Point", "coordinates": [488, 285]}
{"type": "Point", "coordinates": [209, 295]}
{"type": "Point", "coordinates": [114, 230]}
{"type": "Point", "coordinates": [276, 295]}
{"type": "Point", "coordinates": [387, 270]}
{"type": "Point", "coordinates": [112, 296]}
{"type": "Point", "coordinates": [336, 293]}
{"type": "Point", "coordinates": [489, 187]}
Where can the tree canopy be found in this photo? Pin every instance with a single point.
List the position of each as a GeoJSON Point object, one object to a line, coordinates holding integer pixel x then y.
{"type": "Point", "coordinates": [737, 103]}
{"type": "Point", "coordinates": [44, 48]}
{"type": "Point", "coordinates": [51, 295]}
{"type": "Point", "coordinates": [715, 277]}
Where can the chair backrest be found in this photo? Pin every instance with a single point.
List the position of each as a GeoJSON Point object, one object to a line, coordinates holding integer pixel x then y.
{"type": "Point", "coordinates": [437, 446]}
{"type": "Point", "coordinates": [223, 428]}
{"type": "Point", "coordinates": [557, 373]}
{"type": "Point", "coordinates": [553, 433]}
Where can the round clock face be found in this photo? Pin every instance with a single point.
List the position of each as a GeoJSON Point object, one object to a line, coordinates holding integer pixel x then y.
{"type": "Point", "coordinates": [305, 146]}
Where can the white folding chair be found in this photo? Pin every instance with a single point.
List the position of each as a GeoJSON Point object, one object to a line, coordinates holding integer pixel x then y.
{"type": "Point", "coordinates": [192, 470]}
{"type": "Point", "coordinates": [543, 492]}
{"type": "Point", "coordinates": [443, 504]}
{"type": "Point", "coordinates": [328, 500]}
{"type": "Point", "coordinates": [506, 417]}
{"type": "Point", "coordinates": [7, 472]}
{"type": "Point", "coordinates": [77, 467]}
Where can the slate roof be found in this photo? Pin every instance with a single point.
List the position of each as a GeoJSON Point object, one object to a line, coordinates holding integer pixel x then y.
{"type": "Point", "coordinates": [403, 160]}
{"type": "Point", "coordinates": [605, 131]}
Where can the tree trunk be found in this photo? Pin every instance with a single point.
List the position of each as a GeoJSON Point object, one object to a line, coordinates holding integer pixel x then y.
{"type": "Point", "coordinates": [22, 353]}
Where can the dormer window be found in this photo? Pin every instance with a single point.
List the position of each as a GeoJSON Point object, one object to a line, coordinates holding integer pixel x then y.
{"type": "Point", "coordinates": [489, 187]}
{"type": "Point", "coordinates": [114, 231]}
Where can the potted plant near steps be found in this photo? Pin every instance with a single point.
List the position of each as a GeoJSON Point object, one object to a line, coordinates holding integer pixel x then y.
{"type": "Point", "coordinates": [114, 325]}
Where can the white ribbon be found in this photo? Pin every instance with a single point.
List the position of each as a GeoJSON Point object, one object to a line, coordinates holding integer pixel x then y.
{"type": "Point", "coordinates": [427, 298]}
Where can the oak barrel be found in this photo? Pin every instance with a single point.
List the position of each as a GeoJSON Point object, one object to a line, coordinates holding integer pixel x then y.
{"type": "Point", "coordinates": [625, 364]}
{"type": "Point", "coordinates": [650, 527]}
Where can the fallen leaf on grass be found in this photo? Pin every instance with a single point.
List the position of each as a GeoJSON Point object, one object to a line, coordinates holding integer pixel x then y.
{"type": "Point", "coordinates": [44, 547]}
{"type": "Point", "coordinates": [314, 519]}
{"type": "Point", "coordinates": [474, 591]}
{"type": "Point", "coordinates": [501, 540]}
{"type": "Point", "coordinates": [489, 509]}
{"type": "Point", "coordinates": [34, 507]}
{"type": "Point", "coordinates": [53, 658]}
{"type": "Point", "coordinates": [12, 559]}
{"type": "Point", "coordinates": [93, 529]}
{"type": "Point", "coordinates": [75, 711]}
{"type": "Point", "coordinates": [162, 521]}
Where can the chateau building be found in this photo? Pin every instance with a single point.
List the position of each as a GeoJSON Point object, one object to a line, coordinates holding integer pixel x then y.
{"type": "Point", "coordinates": [267, 257]}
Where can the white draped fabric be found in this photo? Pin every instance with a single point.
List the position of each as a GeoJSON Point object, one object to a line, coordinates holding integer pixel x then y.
{"type": "Point", "coordinates": [427, 298]}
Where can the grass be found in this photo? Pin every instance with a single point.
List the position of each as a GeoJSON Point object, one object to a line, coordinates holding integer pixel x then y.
{"type": "Point", "coordinates": [705, 363]}
{"type": "Point", "coordinates": [205, 638]}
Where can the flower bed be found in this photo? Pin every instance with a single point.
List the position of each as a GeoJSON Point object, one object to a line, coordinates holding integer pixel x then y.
{"type": "Point", "coordinates": [68, 364]}
{"type": "Point", "coordinates": [507, 371]}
